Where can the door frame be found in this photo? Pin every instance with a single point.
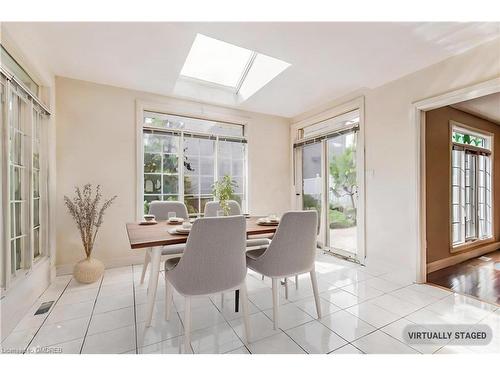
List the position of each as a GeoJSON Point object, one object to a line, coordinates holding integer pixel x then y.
{"type": "Point", "coordinates": [418, 123]}
{"type": "Point", "coordinates": [296, 175]}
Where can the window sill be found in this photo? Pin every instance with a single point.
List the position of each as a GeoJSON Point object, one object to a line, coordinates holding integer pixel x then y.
{"type": "Point", "coordinates": [471, 244]}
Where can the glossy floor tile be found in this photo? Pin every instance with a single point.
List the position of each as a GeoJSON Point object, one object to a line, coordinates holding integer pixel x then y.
{"type": "Point", "coordinates": [364, 310]}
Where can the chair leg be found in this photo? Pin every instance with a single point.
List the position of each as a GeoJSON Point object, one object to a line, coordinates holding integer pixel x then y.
{"type": "Point", "coordinates": [315, 291]}
{"type": "Point", "coordinates": [275, 302]}
{"type": "Point", "coordinates": [244, 305]}
{"type": "Point", "coordinates": [262, 277]}
{"type": "Point", "coordinates": [187, 325]}
{"type": "Point", "coordinates": [297, 282]}
{"type": "Point", "coordinates": [168, 298]}
{"type": "Point", "coordinates": [147, 259]}
{"type": "Point", "coordinates": [222, 300]}
{"type": "Point", "coordinates": [286, 288]}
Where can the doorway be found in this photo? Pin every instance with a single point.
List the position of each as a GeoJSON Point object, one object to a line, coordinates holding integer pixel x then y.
{"type": "Point", "coordinates": [462, 215]}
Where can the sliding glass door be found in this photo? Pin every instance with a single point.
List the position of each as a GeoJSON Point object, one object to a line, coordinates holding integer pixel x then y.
{"type": "Point", "coordinates": [342, 194]}
{"type": "Point", "coordinates": [329, 182]}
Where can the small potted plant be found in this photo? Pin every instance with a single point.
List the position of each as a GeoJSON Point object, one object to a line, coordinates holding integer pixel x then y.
{"type": "Point", "coordinates": [88, 213]}
{"type": "Point", "coordinates": [223, 190]}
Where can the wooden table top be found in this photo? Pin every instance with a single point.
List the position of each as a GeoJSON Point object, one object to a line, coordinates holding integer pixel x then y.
{"type": "Point", "coordinates": [143, 236]}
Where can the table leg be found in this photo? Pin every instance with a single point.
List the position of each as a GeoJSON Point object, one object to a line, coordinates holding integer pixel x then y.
{"type": "Point", "coordinates": [153, 283]}
{"type": "Point", "coordinates": [237, 300]}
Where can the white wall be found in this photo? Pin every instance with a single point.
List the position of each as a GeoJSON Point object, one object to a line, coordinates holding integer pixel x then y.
{"type": "Point", "coordinates": [390, 141]}
{"type": "Point", "coordinates": [96, 143]}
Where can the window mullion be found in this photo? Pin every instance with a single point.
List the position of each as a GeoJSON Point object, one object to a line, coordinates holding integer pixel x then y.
{"type": "Point", "coordinates": [180, 164]}
{"type": "Point", "coordinates": [462, 196]}
{"type": "Point", "coordinates": [28, 263]}
{"type": "Point", "coordinates": [216, 163]}
{"type": "Point", "coordinates": [6, 256]}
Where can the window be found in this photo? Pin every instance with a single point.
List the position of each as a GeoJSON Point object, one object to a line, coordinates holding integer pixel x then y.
{"type": "Point", "coordinates": [184, 156]}
{"type": "Point", "coordinates": [25, 171]}
{"type": "Point", "coordinates": [471, 185]}
{"type": "Point", "coordinates": [18, 187]}
{"type": "Point", "coordinates": [238, 69]}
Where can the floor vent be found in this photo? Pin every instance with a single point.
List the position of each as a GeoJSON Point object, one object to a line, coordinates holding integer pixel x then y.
{"type": "Point", "coordinates": [44, 307]}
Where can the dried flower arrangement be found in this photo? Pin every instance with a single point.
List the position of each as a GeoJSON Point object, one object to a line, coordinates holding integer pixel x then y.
{"type": "Point", "coordinates": [84, 207]}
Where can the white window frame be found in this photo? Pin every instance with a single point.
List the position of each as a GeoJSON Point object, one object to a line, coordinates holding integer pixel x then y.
{"type": "Point", "coordinates": [192, 110]}
{"type": "Point", "coordinates": [8, 279]}
{"type": "Point", "coordinates": [488, 147]}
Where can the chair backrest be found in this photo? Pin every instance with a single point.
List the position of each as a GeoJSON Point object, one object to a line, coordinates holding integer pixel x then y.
{"type": "Point", "coordinates": [211, 208]}
{"type": "Point", "coordinates": [214, 258]}
{"type": "Point", "coordinates": [293, 247]}
{"type": "Point", "coordinates": [161, 209]}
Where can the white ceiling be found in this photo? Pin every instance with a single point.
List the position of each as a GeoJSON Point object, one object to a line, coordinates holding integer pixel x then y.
{"type": "Point", "coordinates": [328, 59]}
{"type": "Point", "coordinates": [487, 107]}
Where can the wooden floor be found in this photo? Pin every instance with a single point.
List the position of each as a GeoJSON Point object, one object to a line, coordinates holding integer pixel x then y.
{"type": "Point", "coordinates": [474, 277]}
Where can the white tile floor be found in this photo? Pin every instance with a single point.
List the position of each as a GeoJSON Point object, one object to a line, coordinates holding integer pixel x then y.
{"type": "Point", "coordinates": [365, 310]}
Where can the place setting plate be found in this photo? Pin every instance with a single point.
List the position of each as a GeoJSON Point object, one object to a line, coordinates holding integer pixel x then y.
{"type": "Point", "coordinates": [268, 222]}
{"type": "Point", "coordinates": [175, 221]}
{"type": "Point", "coordinates": [150, 222]}
{"type": "Point", "coordinates": [179, 230]}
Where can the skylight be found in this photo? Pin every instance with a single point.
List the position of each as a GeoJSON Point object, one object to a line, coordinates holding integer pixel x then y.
{"type": "Point", "coordinates": [235, 68]}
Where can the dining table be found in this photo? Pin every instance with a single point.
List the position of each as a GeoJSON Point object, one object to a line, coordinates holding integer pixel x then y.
{"type": "Point", "coordinates": [153, 237]}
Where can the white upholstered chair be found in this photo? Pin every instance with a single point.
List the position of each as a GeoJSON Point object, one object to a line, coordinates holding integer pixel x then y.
{"type": "Point", "coordinates": [161, 209]}
{"type": "Point", "coordinates": [211, 209]}
{"type": "Point", "coordinates": [291, 252]}
{"type": "Point", "coordinates": [213, 262]}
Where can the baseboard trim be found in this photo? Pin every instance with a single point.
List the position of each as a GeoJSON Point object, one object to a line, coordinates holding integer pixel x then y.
{"type": "Point", "coordinates": [67, 269]}
{"type": "Point", "coordinates": [459, 258]}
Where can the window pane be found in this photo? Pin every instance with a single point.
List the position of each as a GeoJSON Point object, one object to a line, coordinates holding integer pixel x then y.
{"type": "Point", "coordinates": [237, 168]}
{"type": "Point", "coordinates": [206, 184]}
{"type": "Point", "coordinates": [17, 184]}
{"type": "Point", "coordinates": [19, 242]}
{"type": "Point", "coordinates": [170, 163]}
{"type": "Point", "coordinates": [36, 156]}
{"type": "Point", "coordinates": [207, 166]}
{"type": "Point", "coordinates": [152, 143]}
{"type": "Point", "coordinates": [457, 237]}
{"type": "Point", "coordinates": [36, 212]}
{"type": "Point", "coordinates": [152, 163]}
{"type": "Point", "coordinates": [18, 149]}
{"type": "Point", "coordinates": [224, 167]}
{"type": "Point", "coordinates": [18, 218]}
{"type": "Point", "coordinates": [161, 120]}
{"type": "Point", "coordinates": [191, 165]}
{"type": "Point", "coordinates": [191, 185]}
{"type": "Point", "coordinates": [192, 204]}
{"type": "Point", "coordinates": [36, 184]}
{"type": "Point", "coordinates": [13, 256]}
{"type": "Point", "coordinates": [171, 144]}
{"type": "Point", "coordinates": [191, 146]}
{"type": "Point", "coordinates": [170, 184]}
{"type": "Point", "coordinates": [225, 149]}
{"type": "Point", "coordinates": [152, 183]}
{"type": "Point", "coordinates": [239, 185]}
{"type": "Point", "coordinates": [36, 242]}
{"type": "Point", "coordinates": [12, 220]}
{"type": "Point", "coordinates": [206, 147]}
